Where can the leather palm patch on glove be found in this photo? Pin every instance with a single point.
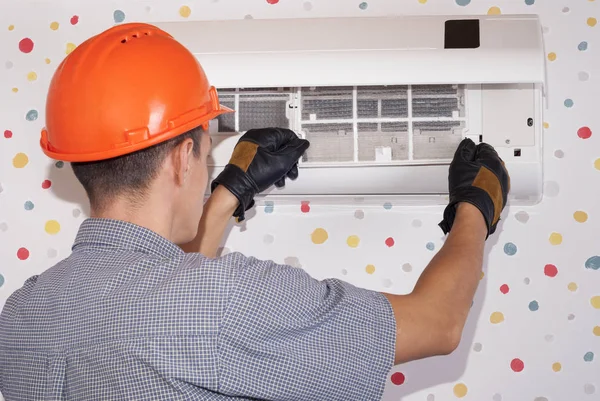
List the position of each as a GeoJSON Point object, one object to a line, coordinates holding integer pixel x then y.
{"type": "Point", "coordinates": [477, 175]}
{"type": "Point", "coordinates": [261, 158]}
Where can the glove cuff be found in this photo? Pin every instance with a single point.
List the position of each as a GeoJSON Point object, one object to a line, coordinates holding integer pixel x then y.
{"type": "Point", "coordinates": [475, 196]}
{"type": "Point", "coordinates": [240, 185]}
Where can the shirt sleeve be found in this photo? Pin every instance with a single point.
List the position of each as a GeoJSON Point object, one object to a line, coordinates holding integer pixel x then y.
{"type": "Point", "coordinates": [287, 336]}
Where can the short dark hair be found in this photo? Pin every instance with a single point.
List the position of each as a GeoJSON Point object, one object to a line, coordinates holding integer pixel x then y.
{"type": "Point", "coordinates": [129, 175]}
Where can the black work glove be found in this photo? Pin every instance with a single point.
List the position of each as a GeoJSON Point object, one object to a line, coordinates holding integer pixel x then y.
{"type": "Point", "coordinates": [261, 158]}
{"type": "Point", "coordinates": [478, 176]}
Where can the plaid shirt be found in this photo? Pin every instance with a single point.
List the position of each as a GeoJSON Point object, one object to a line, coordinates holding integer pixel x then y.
{"type": "Point", "coordinates": [130, 316]}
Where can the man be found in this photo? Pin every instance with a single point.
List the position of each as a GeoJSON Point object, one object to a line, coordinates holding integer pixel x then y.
{"type": "Point", "coordinates": [130, 316]}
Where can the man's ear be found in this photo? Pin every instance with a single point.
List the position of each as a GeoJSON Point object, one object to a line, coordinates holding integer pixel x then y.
{"type": "Point", "coordinates": [182, 160]}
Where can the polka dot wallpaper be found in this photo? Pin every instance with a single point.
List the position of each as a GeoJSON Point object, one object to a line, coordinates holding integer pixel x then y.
{"type": "Point", "coordinates": [534, 329]}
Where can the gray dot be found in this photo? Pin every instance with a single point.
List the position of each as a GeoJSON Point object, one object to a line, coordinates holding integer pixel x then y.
{"type": "Point", "coordinates": [583, 76]}
{"type": "Point", "coordinates": [551, 188]}
{"type": "Point", "coordinates": [522, 217]}
{"type": "Point", "coordinates": [52, 253]}
{"type": "Point", "coordinates": [566, 10]}
{"type": "Point", "coordinates": [387, 283]}
{"type": "Point", "coordinates": [148, 9]}
{"type": "Point", "coordinates": [344, 272]}
{"type": "Point", "coordinates": [477, 347]}
{"type": "Point", "coordinates": [540, 399]}
{"type": "Point", "coordinates": [248, 16]}
{"type": "Point", "coordinates": [430, 246]}
{"type": "Point", "coordinates": [571, 316]}
{"type": "Point", "coordinates": [292, 261]}
{"type": "Point", "coordinates": [1, 188]}
{"type": "Point", "coordinates": [359, 214]}
{"type": "Point", "coordinates": [8, 65]}
{"type": "Point", "coordinates": [526, 280]}
{"type": "Point", "coordinates": [417, 223]}
{"type": "Point", "coordinates": [549, 338]}
{"type": "Point", "coordinates": [268, 239]}
{"type": "Point", "coordinates": [76, 212]}
{"type": "Point", "coordinates": [430, 397]}
{"type": "Point", "coordinates": [3, 226]}
{"type": "Point", "coordinates": [497, 397]}
{"type": "Point", "coordinates": [407, 267]}
{"type": "Point", "coordinates": [223, 251]}
{"type": "Point", "coordinates": [559, 154]}
{"type": "Point", "coordinates": [589, 388]}
{"type": "Point", "coordinates": [307, 6]}
{"type": "Point", "coordinates": [545, 30]}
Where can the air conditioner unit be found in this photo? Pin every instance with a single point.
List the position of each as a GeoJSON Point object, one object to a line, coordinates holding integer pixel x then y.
{"type": "Point", "coordinates": [384, 101]}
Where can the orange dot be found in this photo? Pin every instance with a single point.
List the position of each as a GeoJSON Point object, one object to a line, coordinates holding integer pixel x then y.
{"type": "Point", "coordinates": [370, 269]}
{"type": "Point", "coordinates": [552, 56]}
{"type": "Point", "coordinates": [494, 11]}
{"type": "Point", "coordinates": [592, 21]}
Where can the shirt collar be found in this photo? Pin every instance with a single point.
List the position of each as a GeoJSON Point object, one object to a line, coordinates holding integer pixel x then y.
{"type": "Point", "coordinates": [104, 234]}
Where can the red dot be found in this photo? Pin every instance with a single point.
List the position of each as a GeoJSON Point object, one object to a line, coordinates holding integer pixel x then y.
{"type": "Point", "coordinates": [272, 1]}
{"type": "Point", "coordinates": [398, 378]}
{"type": "Point", "coordinates": [74, 19]}
{"type": "Point", "coordinates": [517, 365]}
{"type": "Point", "coordinates": [550, 270]}
{"type": "Point", "coordinates": [584, 132]}
{"type": "Point", "coordinates": [304, 207]}
{"type": "Point", "coordinates": [504, 289]}
{"type": "Point", "coordinates": [46, 184]}
{"type": "Point", "coordinates": [389, 242]}
{"type": "Point", "coordinates": [23, 253]}
{"type": "Point", "coordinates": [26, 45]}
{"type": "Point", "coordinates": [8, 134]}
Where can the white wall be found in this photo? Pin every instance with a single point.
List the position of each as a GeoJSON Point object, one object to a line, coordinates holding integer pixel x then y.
{"type": "Point", "coordinates": [555, 342]}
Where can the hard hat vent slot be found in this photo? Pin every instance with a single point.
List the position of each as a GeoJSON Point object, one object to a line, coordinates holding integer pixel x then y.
{"type": "Point", "coordinates": [134, 36]}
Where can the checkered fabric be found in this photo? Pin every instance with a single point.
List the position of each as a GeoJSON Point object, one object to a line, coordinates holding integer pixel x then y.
{"type": "Point", "coordinates": [130, 316]}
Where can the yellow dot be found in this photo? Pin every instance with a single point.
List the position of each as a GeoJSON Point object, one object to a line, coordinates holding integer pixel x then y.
{"type": "Point", "coordinates": [597, 164]}
{"type": "Point", "coordinates": [592, 21]}
{"type": "Point", "coordinates": [496, 317]}
{"type": "Point", "coordinates": [546, 125]}
{"type": "Point", "coordinates": [15, 90]}
{"type": "Point", "coordinates": [595, 301]}
{"type": "Point", "coordinates": [47, 60]}
{"type": "Point", "coordinates": [52, 227]}
{"type": "Point", "coordinates": [494, 11]}
{"type": "Point", "coordinates": [460, 390]}
{"type": "Point", "coordinates": [580, 216]}
{"type": "Point", "coordinates": [353, 241]}
{"type": "Point", "coordinates": [552, 56]}
{"type": "Point", "coordinates": [572, 286]}
{"type": "Point", "coordinates": [11, 27]}
{"type": "Point", "coordinates": [556, 366]}
{"type": "Point", "coordinates": [54, 26]}
{"type": "Point", "coordinates": [555, 239]}
{"type": "Point", "coordinates": [319, 236]}
{"type": "Point", "coordinates": [32, 76]}
{"type": "Point", "coordinates": [370, 269]}
{"type": "Point", "coordinates": [422, 1]}
{"type": "Point", "coordinates": [185, 11]}
{"type": "Point", "coordinates": [596, 331]}
{"type": "Point", "coordinates": [20, 160]}
{"type": "Point", "coordinates": [70, 47]}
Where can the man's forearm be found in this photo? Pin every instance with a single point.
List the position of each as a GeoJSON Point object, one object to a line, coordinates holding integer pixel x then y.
{"type": "Point", "coordinates": [218, 210]}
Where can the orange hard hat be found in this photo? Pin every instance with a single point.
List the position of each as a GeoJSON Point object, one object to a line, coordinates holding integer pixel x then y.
{"type": "Point", "coordinates": [125, 89]}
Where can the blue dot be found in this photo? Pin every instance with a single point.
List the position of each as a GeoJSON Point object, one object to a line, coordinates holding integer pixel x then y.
{"type": "Point", "coordinates": [510, 249]}
{"type": "Point", "coordinates": [589, 356]}
{"type": "Point", "coordinates": [59, 164]}
{"type": "Point", "coordinates": [28, 205]}
{"type": "Point", "coordinates": [430, 246]}
{"type": "Point", "coordinates": [529, 2]}
{"type": "Point", "coordinates": [533, 306]}
{"type": "Point", "coordinates": [269, 206]}
{"type": "Point", "coordinates": [463, 2]}
{"type": "Point", "coordinates": [568, 102]}
{"type": "Point", "coordinates": [1, 280]}
{"type": "Point", "coordinates": [582, 46]}
{"type": "Point", "coordinates": [363, 5]}
{"type": "Point", "coordinates": [387, 205]}
{"type": "Point", "coordinates": [593, 263]}
{"type": "Point", "coordinates": [31, 115]}
{"type": "Point", "coordinates": [119, 16]}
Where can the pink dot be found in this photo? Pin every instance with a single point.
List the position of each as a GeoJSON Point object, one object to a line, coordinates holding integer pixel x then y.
{"type": "Point", "coordinates": [504, 289]}
{"type": "Point", "coordinates": [550, 270]}
{"type": "Point", "coordinates": [46, 184]}
{"type": "Point", "coordinates": [74, 20]}
{"type": "Point", "coordinates": [584, 132]}
{"type": "Point", "coordinates": [398, 378]}
{"type": "Point", "coordinates": [390, 242]}
{"type": "Point", "coordinates": [517, 365]}
{"type": "Point", "coordinates": [22, 253]}
{"type": "Point", "coordinates": [8, 134]}
{"type": "Point", "coordinates": [26, 45]}
{"type": "Point", "coordinates": [272, 1]}
{"type": "Point", "coordinates": [304, 207]}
